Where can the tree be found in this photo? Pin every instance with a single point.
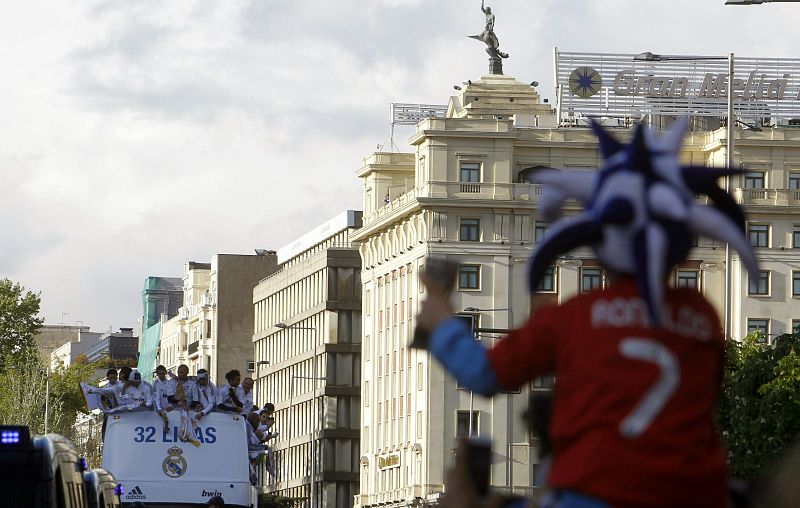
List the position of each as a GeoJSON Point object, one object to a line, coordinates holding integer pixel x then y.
{"type": "Point", "coordinates": [759, 412]}
{"type": "Point", "coordinates": [19, 321]}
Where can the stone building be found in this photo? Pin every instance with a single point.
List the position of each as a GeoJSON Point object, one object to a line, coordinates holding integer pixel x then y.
{"type": "Point", "coordinates": [308, 362]}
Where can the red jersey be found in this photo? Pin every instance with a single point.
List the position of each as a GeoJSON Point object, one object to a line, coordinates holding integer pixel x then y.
{"type": "Point", "coordinates": [633, 409]}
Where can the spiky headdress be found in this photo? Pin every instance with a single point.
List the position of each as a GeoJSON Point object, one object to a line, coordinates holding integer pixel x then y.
{"type": "Point", "coordinates": [640, 212]}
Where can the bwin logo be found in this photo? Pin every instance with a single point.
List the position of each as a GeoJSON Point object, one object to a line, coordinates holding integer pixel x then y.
{"type": "Point", "coordinates": [211, 493]}
{"type": "Point", "coordinates": [135, 493]}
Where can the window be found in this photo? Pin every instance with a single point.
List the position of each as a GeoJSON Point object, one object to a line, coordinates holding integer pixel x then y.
{"type": "Point", "coordinates": [420, 378]}
{"type": "Point", "coordinates": [419, 424]}
{"type": "Point", "coordinates": [759, 284]}
{"type": "Point", "coordinates": [795, 326]}
{"type": "Point", "coordinates": [469, 276]}
{"type": "Point", "coordinates": [462, 423]}
{"type": "Point", "coordinates": [688, 279]}
{"type": "Point", "coordinates": [754, 180]}
{"type": "Point", "coordinates": [366, 393]}
{"type": "Point", "coordinates": [794, 181]}
{"type": "Point", "coordinates": [469, 230]}
{"type": "Point", "coordinates": [470, 172]}
{"type": "Point", "coordinates": [539, 230]}
{"type": "Point", "coordinates": [543, 382]}
{"type": "Point", "coordinates": [796, 236]}
{"type": "Point", "coordinates": [795, 283]}
{"type": "Point", "coordinates": [547, 284]}
{"type": "Point", "coordinates": [758, 325]}
{"type": "Point", "coordinates": [758, 234]}
{"type": "Point", "coordinates": [591, 279]}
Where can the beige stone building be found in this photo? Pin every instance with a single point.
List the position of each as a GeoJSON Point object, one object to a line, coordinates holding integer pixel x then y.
{"type": "Point", "coordinates": [52, 337]}
{"type": "Point", "coordinates": [214, 327]}
{"type": "Point", "coordinates": [308, 359]}
{"type": "Point", "coordinates": [464, 194]}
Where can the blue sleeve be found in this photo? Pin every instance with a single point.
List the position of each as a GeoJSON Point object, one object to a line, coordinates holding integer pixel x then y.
{"type": "Point", "coordinates": [454, 346]}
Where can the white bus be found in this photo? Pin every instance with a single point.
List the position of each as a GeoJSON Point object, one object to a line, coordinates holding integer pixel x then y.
{"type": "Point", "coordinates": [158, 469]}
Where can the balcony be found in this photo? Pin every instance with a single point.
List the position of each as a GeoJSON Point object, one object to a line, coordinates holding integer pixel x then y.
{"type": "Point", "coordinates": [193, 347]}
{"type": "Point", "coordinates": [767, 196]}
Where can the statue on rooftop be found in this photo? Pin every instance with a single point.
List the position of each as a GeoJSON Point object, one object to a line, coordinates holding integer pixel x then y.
{"type": "Point", "coordinates": [492, 43]}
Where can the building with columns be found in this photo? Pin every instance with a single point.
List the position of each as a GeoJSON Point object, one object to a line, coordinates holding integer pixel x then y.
{"type": "Point", "coordinates": [308, 363]}
{"type": "Point", "coordinates": [464, 194]}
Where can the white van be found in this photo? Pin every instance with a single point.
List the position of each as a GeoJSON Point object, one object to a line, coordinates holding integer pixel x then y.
{"type": "Point", "coordinates": [157, 468]}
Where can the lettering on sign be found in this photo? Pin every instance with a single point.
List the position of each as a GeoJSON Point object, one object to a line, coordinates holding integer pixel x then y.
{"type": "Point", "coordinates": [389, 461]}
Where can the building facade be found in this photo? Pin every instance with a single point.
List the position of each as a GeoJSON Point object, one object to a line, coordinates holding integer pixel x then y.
{"type": "Point", "coordinates": [51, 337]}
{"type": "Point", "coordinates": [308, 363]}
{"type": "Point", "coordinates": [213, 328]}
{"type": "Point", "coordinates": [464, 194]}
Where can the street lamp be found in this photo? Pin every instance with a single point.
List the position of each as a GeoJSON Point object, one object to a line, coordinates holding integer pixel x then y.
{"type": "Point", "coordinates": [509, 399]}
{"type": "Point", "coordinates": [730, 126]}
{"type": "Point", "coordinates": [314, 426]}
{"type": "Point", "coordinates": [284, 326]}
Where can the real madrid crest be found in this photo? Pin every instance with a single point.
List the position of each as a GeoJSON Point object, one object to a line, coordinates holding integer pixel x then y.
{"type": "Point", "coordinates": [174, 465]}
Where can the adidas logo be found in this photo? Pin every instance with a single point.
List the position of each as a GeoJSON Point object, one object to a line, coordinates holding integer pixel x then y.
{"type": "Point", "coordinates": [135, 493]}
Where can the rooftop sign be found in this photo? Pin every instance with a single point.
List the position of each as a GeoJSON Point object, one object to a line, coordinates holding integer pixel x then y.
{"type": "Point", "coordinates": [412, 114]}
{"type": "Point", "coordinates": [617, 85]}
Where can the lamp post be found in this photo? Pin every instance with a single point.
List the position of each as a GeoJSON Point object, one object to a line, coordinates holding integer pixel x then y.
{"type": "Point", "coordinates": [509, 400]}
{"type": "Point", "coordinates": [730, 127]}
{"type": "Point", "coordinates": [284, 326]}
{"type": "Point", "coordinates": [47, 400]}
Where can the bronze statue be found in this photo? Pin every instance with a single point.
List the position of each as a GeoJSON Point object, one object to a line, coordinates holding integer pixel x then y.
{"type": "Point", "coordinates": [488, 36]}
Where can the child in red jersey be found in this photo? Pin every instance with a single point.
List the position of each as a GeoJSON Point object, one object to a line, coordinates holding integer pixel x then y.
{"type": "Point", "coordinates": [638, 366]}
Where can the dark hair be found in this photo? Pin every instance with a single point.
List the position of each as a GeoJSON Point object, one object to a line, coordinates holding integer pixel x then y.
{"type": "Point", "coordinates": [269, 406]}
{"type": "Point", "coordinates": [124, 372]}
{"type": "Point", "coordinates": [202, 371]}
{"type": "Point", "coordinates": [232, 374]}
{"type": "Point", "coordinates": [111, 371]}
{"type": "Point", "coordinates": [161, 367]}
{"type": "Point", "coordinates": [216, 501]}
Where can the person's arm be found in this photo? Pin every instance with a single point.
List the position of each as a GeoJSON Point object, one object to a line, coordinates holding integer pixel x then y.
{"type": "Point", "coordinates": [156, 397]}
{"type": "Point", "coordinates": [460, 354]}
{"type": "Point", "coordinates": [483, 9]}
{"type": "Point", "coordinates": [212, 398]}
{"type": "Point", "coordinates": [224, 393]}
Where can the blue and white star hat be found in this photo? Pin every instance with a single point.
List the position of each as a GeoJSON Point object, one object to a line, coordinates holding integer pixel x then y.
{"type": "Point", "coordinates": [640, 211]}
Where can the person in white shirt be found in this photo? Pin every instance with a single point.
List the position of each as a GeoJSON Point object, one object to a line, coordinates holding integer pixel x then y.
{"type": "Point", "coordinates": [136, 393]}
{"type": "Point", "coordinates": [186, 382]}
{"type": "Point", "coordinates": [111, 391]}
{"type": "Point", "coordinates": [245, 393]}
{"type": "Point", "coordinates": [163, 390]}
{"type": "Point", "coordinates": [206, 394]}
{"type": "Point", "coordinates": [227, 396]}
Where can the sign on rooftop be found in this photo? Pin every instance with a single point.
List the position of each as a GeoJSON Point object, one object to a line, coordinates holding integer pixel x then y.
{"type": "Point", "coordinates": [627, 85]}
{"type": "Point", "coordinates": [411, 114]}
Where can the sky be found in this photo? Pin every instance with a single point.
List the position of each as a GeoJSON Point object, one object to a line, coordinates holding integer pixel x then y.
{"type": "Point", "coordinates": [138, 136]}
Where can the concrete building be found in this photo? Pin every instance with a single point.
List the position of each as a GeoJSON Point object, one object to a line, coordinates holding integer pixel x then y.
{"type": "Point", "coordinates": [308, 327]}
{"type": "Point", "coordinates": [213, 328]}
{"type": "Point", "coordinates": [51, 337]}
{"type": "Point", "coordinates": [104, 350]}
{"type": "Point", "coordinates": [464, 194]}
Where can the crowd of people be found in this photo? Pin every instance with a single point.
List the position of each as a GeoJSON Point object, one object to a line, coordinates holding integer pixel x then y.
{"type": "Point", "coordinates": [194, 397]}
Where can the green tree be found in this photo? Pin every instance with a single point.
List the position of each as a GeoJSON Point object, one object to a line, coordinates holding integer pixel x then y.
{"type": "Point", "coordinates": [19, 322]}
{"type": "Point", "coordinates": [759, 412]}
{"type": "Point", "coordinates": [23, 391]}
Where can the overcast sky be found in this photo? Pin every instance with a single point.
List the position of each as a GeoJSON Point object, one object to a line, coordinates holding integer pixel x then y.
{"type": "Point", "coordinates": [138, 135]}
